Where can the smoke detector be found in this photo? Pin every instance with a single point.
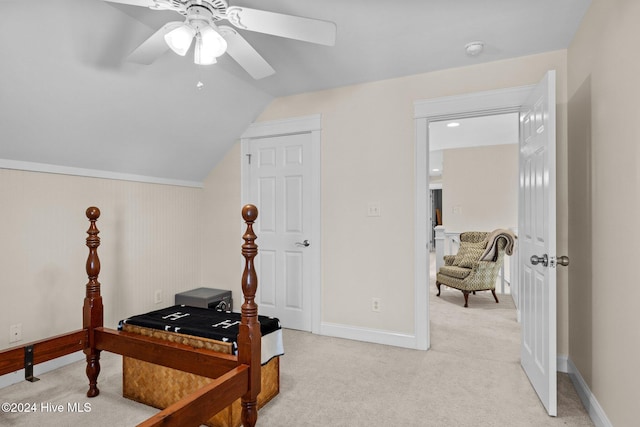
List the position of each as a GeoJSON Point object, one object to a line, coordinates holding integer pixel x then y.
{"type": "Point", "coordinates": [474, 48]}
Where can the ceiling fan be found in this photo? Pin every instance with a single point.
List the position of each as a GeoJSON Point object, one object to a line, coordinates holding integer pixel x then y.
{"type": "Point", "coordinates": [212, 40]}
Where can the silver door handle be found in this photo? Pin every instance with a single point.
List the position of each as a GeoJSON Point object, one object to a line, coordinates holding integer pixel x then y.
{"type": "Point", "coordinates": [563, 260]}
{"type": "Point", "coordinates": [544, 260]}
{"type": "Point", "coordinates": [304, 243]}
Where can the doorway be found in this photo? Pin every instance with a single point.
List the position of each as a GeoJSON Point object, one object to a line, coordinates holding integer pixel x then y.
{"type": "Point", "coordinates": [473, 180]}
{"type": "Point", "coordinates": [447, 108]}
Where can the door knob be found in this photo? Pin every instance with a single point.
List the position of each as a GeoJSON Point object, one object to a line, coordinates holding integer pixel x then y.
{"type": "Point", "coordinates": [304, 243]}
{"type": "Point", "coordinates": [544, 260]}
{"type": "Point", "coordinates": [563, 260]}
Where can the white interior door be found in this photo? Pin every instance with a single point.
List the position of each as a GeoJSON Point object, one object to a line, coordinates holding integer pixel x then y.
{"type": "Point", "coordinates": [537, 239]}
{"type": "Point", "coordinates": [280, 184]}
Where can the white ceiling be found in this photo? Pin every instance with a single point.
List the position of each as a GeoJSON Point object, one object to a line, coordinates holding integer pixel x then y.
{"type": "Point", "coordinates": [67, 98]}
{"type": "Point", "coordinates": [497, 129]}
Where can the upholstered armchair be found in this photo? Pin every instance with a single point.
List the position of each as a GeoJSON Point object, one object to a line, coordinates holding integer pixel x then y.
{"type": "Point", "coordinates": [476, 265]}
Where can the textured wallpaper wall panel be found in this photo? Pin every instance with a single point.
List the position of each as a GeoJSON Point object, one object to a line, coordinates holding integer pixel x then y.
{"type": "Point", "coordinates": [150, 241]}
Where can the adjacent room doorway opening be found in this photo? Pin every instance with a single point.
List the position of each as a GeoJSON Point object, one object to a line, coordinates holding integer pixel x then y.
{"type": "Point", "coordinates": [473, 181]}
{"type": "Point", "coordinates": [426, 112]}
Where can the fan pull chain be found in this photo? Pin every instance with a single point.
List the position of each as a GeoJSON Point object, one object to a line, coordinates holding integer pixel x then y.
{"type": "Point", "coordinates": [199, 85]}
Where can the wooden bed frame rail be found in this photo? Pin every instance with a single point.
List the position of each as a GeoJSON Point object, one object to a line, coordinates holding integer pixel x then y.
{"type": "Point", "coordinates": [234, 376]}
{"type": "Point", "coordinates": [15, 358]}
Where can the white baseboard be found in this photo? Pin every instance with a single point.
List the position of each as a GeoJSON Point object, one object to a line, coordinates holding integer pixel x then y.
{"type": "Point", "coordinates": [561, 363]}
{"type": "Point", "coordinates": [368, 335]}
{"type": "Point", "coordinates": [41, 368]}
{"type": "Point", "coordinates": [589, 401]}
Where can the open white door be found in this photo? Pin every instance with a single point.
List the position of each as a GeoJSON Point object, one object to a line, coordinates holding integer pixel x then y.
{"type": "Point", "coordinates": [537, 239]}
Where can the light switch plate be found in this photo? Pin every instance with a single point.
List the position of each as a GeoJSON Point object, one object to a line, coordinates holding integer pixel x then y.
{"type": "Point", "coordinates": [373, 209]}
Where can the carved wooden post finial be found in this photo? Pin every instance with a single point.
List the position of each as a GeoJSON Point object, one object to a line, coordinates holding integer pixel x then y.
{"type": "Point", "coordinates": [93, 262]}
{"type": "Point", "coordinates": [249, 251]}
{"type": "Point", "coordinates": [92, 312]}
{"type": "Point", "coordinates": [249, 334]}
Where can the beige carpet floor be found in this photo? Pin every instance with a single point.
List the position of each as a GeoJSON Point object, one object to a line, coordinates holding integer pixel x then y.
{"type": "Point", "coordinates": [470, 377]}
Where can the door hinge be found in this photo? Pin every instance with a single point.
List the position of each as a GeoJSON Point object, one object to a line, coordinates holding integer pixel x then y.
{"type": "Point", "coordinates": [248, 158]}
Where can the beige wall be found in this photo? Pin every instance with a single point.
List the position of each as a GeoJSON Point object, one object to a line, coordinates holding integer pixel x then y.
{"type": "Point", "coordinates": [368, 155]}
{"type": "Point", "coordinates": [480, 188]}
{"type": "Point", "coordinates": [604, 205]}
{"type": "Point", "coordinates": [149, 240]}
{"type": "Point", "coordinates": [222, 227]}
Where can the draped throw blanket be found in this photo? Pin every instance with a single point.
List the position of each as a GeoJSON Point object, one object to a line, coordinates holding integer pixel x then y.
{"type": "Point", "coordinates": [491, 251]}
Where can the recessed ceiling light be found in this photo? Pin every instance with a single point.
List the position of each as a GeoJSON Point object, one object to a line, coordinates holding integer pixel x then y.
{"type": "Point", "coordinates": [453, 125]}
{"type": "Point", "coordinates": [435, 170]}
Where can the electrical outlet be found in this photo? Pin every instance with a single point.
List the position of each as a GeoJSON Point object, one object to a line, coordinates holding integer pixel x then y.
{"type": "Point", "coordinates": [15, 332]}
{"type": "Point", "coordinates": [157, 298]}
{"type": "Point", "coordinates": [375, 304]}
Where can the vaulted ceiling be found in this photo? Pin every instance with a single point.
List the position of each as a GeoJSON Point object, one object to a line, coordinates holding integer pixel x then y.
{"type": "Point", "coordinates": [69, 98]}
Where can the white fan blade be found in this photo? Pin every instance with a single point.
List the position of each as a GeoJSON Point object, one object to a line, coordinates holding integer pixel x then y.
{"type": "Point", "coordinates": [244, 54]}
{"type": "Point", "coordinates": [277, 24]}
{"type": "Point", "coordinates": [154, 46]}
{"type": "Point", "coordinates": [142, 3]}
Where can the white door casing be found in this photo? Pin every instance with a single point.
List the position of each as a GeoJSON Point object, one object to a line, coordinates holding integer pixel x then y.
{"type": "Point", "coordinates": [537, 238]}
{"type": "Point", "coordinates": [474, 104]}
{"type": "Point", "coordinates": [280, 175]}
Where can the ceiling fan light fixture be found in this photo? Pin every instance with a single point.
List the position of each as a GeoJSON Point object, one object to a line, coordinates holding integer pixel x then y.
{"type": "Point", "coordinates": [179, 40]}
{"type": "Point", "coordinates": [209, 45]}
{"type": "Point", "coordinates": [200, 19]}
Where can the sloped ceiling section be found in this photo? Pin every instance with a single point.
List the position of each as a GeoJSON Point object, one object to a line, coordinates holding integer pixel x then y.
{"type": "Point", "coordinates": [69, 99]}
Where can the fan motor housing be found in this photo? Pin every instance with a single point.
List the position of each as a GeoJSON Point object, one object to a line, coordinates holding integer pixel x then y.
{"type": "Point", "coordinates": [217, 8]}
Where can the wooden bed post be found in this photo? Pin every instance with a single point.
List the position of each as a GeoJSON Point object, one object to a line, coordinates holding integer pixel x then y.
{"type": "Point", "coordinates": [92, 312]}
{"type": "Point", "coordinates": [249, 335]}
